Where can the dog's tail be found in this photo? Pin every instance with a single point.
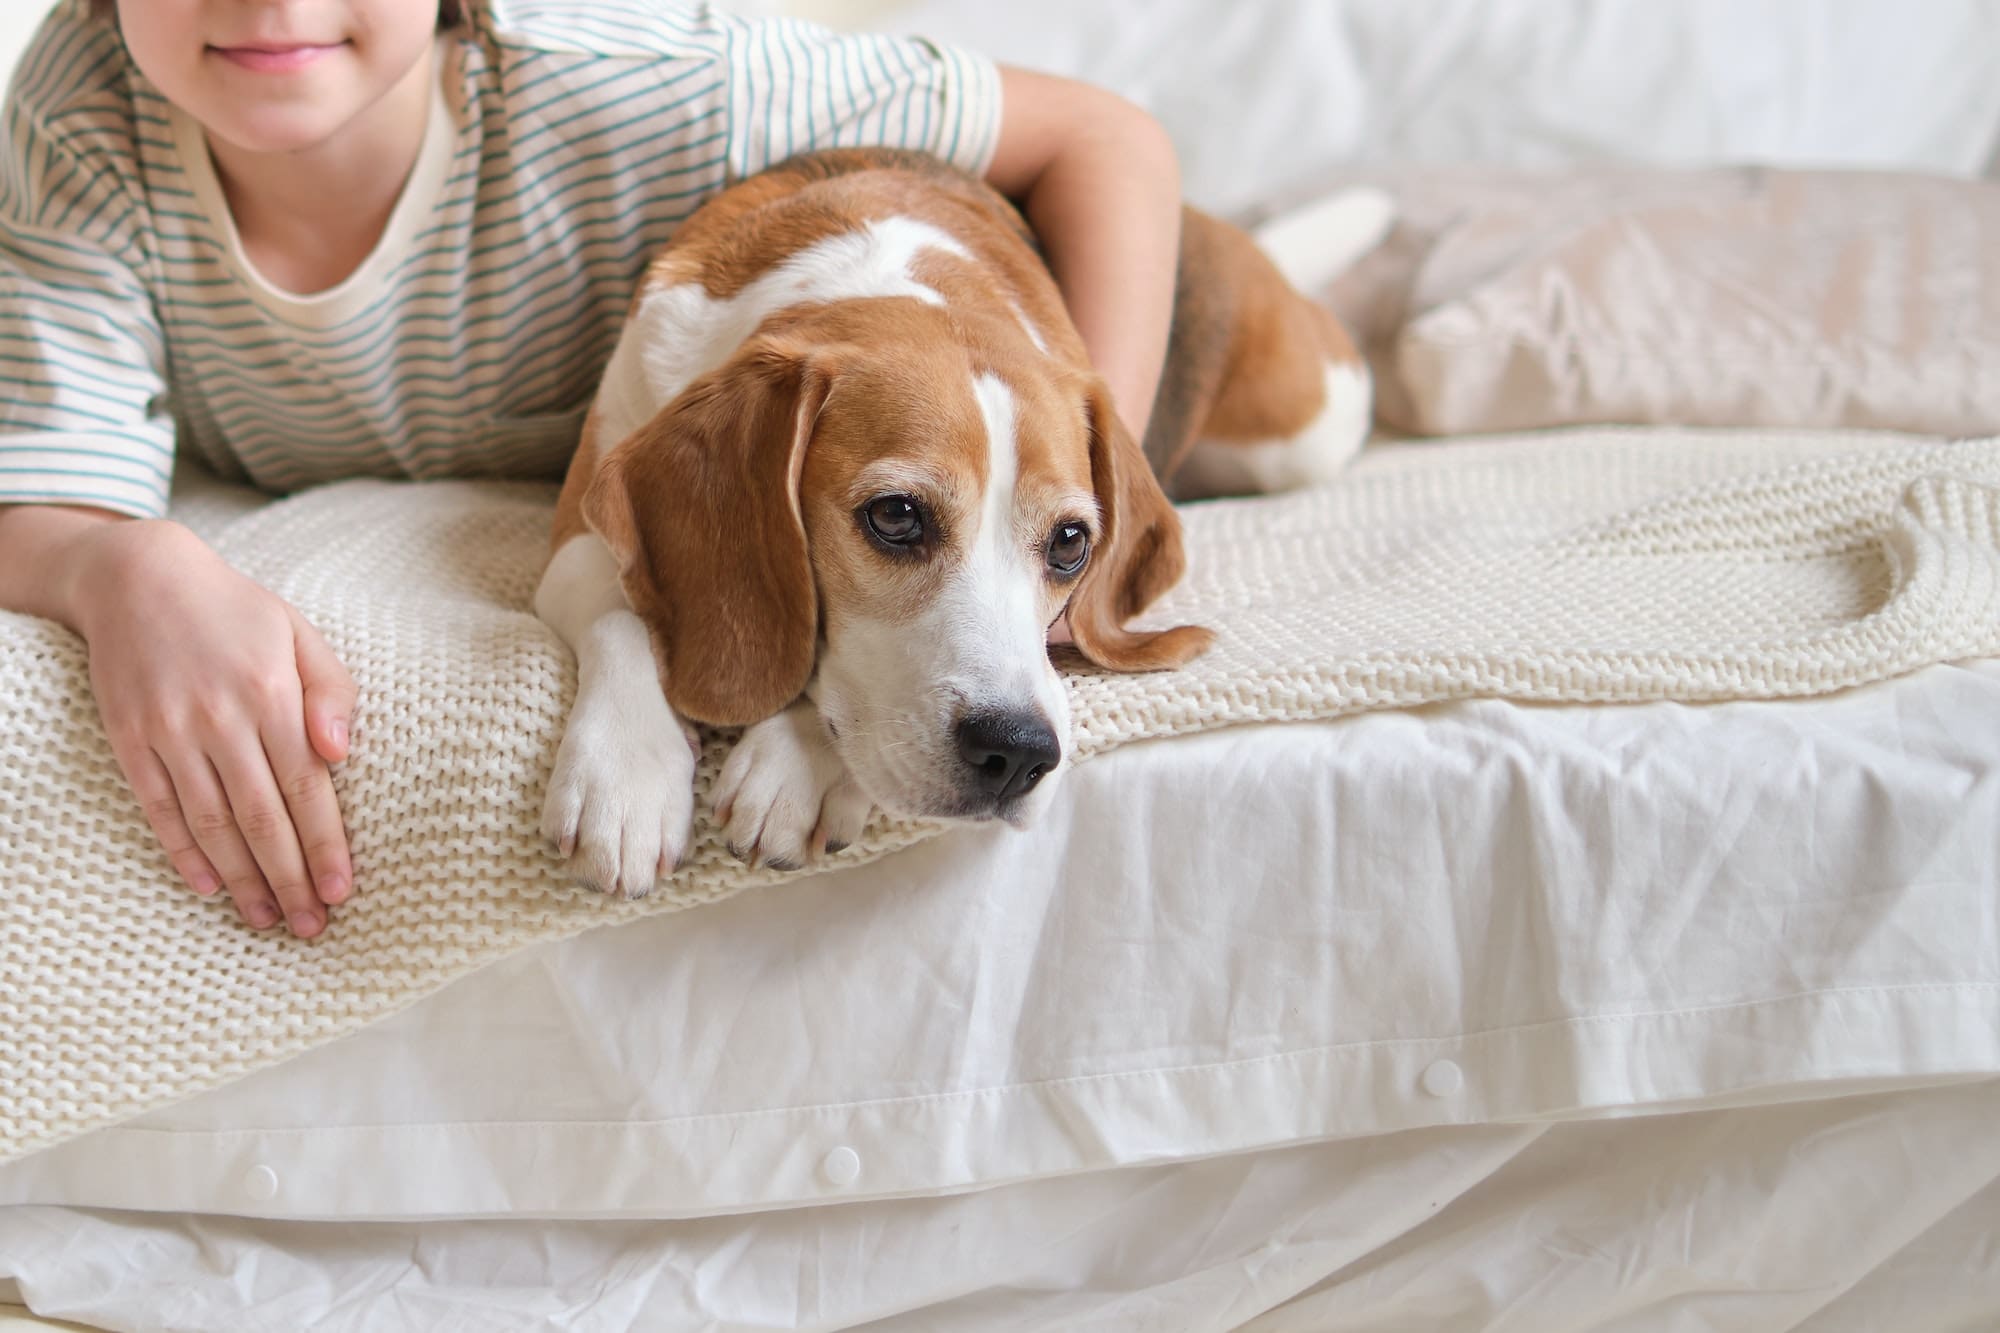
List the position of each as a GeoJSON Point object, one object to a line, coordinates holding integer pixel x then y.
{"type": "Point", "coordinates": [1315, 243]}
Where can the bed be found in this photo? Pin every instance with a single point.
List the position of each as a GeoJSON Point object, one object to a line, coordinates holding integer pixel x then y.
{"type": "Point", "coordinates": [1482, 1014]}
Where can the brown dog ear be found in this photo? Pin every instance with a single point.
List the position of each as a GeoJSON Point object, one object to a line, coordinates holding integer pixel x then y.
{"type": "Point", "coordinates": [1138, 556]}
{"type": "Point", "coordinates": [700, 506]}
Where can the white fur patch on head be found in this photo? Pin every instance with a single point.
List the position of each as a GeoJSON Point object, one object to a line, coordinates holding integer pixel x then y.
{"type": "Point", "coordinates": [680, 333]}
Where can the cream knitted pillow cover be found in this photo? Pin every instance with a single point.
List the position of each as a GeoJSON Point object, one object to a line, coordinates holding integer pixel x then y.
{"type": "Point", "coordinates": [1602, 565]}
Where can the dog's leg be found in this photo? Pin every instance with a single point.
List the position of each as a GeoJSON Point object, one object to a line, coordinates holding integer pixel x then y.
{"type": "Point", "coordinates": [621, 803]}
{"type": "Point", "coordinates": [1263, 390]}
{"type": "Point", "coordinates": [785, 795]}
{"type": "Point", "coordinates": [1308, 455]}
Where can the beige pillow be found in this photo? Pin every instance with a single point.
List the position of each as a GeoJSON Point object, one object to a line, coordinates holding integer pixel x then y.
{"type": "Point", "coordinates": [1744, 297]}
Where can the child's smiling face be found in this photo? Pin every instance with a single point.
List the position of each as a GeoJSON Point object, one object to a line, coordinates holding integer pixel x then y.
{"type": "Point", "coordinates": [278, 76]}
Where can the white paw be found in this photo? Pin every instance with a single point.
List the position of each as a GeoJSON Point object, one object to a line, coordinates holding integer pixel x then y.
{"type": "Point", "coordinates": [785, 796]}
{"type": "Point", "coordinates": [621, 803]}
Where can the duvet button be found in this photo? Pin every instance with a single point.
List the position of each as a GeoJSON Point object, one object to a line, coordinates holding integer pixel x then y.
{"type": "Point", "coordinates": [1443, 1078]}
{"type": "Point", "coordinates": [261, 1183]}
{"type": "Point", "coordinates": [842, 1166]}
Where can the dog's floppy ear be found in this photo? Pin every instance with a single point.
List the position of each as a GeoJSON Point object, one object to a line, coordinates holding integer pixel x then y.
{"type": "Point", "coordinates": [701, 508]}
{"type": "Point", "coordinates": [1138, 555]}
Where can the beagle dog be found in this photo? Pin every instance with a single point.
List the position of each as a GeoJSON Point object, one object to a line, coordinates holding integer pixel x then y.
{"type": "Point", "coordinates": [847, 465]}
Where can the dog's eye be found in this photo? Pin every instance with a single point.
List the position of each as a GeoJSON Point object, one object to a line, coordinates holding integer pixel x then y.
{"type": "Point", "coordinates": [894, 519]}
{"type": "Point", "coordinates": [1069, 547]}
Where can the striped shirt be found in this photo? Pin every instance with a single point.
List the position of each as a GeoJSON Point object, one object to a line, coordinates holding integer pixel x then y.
{"type": "Point", "coordinates": [566, 141]}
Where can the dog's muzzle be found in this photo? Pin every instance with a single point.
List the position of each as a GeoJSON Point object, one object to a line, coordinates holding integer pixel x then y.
{"type": "Point", "coordinates": [1006, 755]}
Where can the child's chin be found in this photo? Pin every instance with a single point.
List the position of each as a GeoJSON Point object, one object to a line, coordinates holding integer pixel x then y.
{"type": "Point", "coordinates": [277, 131]}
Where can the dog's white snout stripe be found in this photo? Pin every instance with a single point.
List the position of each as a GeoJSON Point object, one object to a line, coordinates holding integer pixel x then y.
{"type": "Point", "coordinates": [996, 409]}
{"type": "Point", "coordinates": [1004, 572]}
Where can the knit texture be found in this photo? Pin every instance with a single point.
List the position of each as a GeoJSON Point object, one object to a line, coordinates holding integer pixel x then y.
{"type": "Point", "coordinates": [1598, 565]}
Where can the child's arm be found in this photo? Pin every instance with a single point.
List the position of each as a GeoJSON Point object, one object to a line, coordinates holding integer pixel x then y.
{"type": "Point", "coordinates": [219, 700]}
{"type": "Point", "coordinates": [1096, 176]}
{"type": "Point", "coordinates": [1101, 186]}
{"type": "Point", "coordinates": [216, 696]}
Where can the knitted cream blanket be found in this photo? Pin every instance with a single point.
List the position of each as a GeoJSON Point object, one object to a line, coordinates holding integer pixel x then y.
{"type": "Point", "coordinates": [1602, 565]}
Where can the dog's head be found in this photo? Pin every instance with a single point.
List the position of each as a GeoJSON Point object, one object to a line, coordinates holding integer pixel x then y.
{"type": "Point", "coordinates": [888, 518]}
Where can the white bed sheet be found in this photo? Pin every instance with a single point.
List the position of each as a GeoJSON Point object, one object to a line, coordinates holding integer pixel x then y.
{"type": "Point", "coordinates": [1864, 1213]}
{"type": "Point", "coordinates": [1266, 96]}
{"type": "Point", "coordinates": [1474, 914]}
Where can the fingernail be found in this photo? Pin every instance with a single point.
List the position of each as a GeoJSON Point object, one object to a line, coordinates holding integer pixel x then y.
{"type": "Point", "coordinates": [205, 885]}
{"type": "Point", "coordinates": [263, 915]}
{"type": "Point", "coordinates": [333, 889]}
{"type": "Point", "coordinates": [304, 923]}
{"type": "Point", "coordinates": [339, 732]}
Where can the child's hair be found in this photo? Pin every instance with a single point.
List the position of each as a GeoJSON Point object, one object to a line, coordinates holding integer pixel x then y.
{"type": "Point", "coordinates": [449, 11]}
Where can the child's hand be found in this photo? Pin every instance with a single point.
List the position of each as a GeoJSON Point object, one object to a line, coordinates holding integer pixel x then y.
{"type": "Point", "coordinates": [224, 708]}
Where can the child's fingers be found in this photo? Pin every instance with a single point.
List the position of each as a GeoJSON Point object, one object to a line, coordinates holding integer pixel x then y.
{"type": "Point", "coordinates": [308, 789]}
{"type": "Point", "coordinates": [265, 822]}
{"type": "Point", "coordinates": [209, 818]}
{"type": "Point", "coordinates": [329, 690]}
{"type": "Point", "coordinates": [155, 791]}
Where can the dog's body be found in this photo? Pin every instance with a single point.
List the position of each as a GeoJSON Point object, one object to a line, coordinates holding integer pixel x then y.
{"type": "Point", "coordinates": [846, 466]}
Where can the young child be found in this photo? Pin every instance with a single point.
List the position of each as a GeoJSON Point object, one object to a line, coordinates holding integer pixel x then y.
{"type": "Point", "coordinates": [314, 239]}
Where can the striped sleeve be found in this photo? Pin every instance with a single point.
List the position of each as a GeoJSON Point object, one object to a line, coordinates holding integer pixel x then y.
{"type": "Point", "coordinates": [82, 356]}
{"type": "Point", "coordinates": [797, 87]}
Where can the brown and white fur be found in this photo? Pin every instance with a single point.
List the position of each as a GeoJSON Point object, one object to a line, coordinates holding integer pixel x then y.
{"type": "Point", "coordinates": [831, 356]}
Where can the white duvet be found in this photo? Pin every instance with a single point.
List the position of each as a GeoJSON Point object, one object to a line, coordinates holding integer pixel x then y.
{"type": "Point", "coordinates": [1292, 932]}
{"type": "Point", "coordinates": [1834, 1216]}
{"type": "Point", "coordinates": [1403, 980]}
{"type": "Point", "coordinates": [1269, 97]}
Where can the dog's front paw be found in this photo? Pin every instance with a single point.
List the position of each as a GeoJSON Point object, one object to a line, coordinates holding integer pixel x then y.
{"type": "Point", "coordinates": [621, 803]}
{"type": "Point", "coordinates": [785, 796]}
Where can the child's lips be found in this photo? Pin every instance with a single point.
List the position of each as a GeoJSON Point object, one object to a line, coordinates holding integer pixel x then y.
{"type": "Point", "coordinates": [275, 59]}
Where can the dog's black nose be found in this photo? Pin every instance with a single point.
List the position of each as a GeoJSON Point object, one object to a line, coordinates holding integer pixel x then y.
{"type": "Point", "coordinates": [1008, 752]}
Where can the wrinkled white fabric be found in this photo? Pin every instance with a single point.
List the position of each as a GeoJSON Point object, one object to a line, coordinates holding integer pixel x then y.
{"type": "Point", "coordinates": [1863, 1213]}
{"type": "Point", "coordinates": [1513, 300]}
{"type": "Point", "coordinates": [1601, 566]}
{"type": "Point", "coordinates": [1216, 944]}
{"type": "Point", "coordinates": [1265, 97]}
